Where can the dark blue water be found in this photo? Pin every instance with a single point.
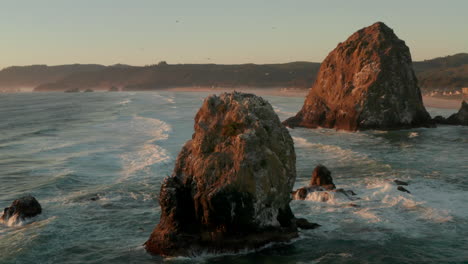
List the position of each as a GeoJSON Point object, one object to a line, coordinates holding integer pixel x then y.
{"type": "Point", "coordinates": [115, 148]}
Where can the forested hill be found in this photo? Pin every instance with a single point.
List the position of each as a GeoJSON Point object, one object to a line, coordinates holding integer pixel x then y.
{"type": "Point", "coordinates": [449, 72]}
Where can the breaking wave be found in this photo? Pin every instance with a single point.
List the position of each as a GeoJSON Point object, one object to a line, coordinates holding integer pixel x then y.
{"type": "Point", "coordinates": [150, 152]}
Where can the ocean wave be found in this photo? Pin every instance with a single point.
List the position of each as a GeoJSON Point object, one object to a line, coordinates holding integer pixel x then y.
{"type": "Point", "coordinates": [158, 129]}
{"type": "Point", "coordinates": [148, 155]}
{"type": "Point", "coordinates": [150, 152]}
{"type": "Point", "coordinates": [169, 99]}
{"type": "Point", "coordinates": [280, 111]}
{"type": "Point", "coordinates": [125, 102]}
{"type": "Point", "coordinates": [335, 151]}
{"type": "Point", "coordinates": [328, 197]}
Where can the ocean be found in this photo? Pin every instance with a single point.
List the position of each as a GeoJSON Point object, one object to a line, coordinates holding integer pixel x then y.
{"type": "Point", "coordinates": [95, 162]}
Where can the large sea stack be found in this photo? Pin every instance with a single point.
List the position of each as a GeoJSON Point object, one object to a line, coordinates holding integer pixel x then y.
{"type": "Point", "coordinates": [230, 189]}
{"type": "Point", "coordinates": [366, 82]}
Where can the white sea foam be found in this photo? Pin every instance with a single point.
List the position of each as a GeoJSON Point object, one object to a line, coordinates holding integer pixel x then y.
{"type": "Point", "coordinates": [16, 221]}
{"type": "Point", "coordinates": [328, 197]}
{"type": "Point", "coordinates": [169, 99]}
{"type": "Point", "coordinates": [150, 152]}
{"type": "Point", "coordinates": [335, 151]}
{"type": "Point", "coordinates": [124, 102]}
{"type": "Point", "coordinates": [280, 111]}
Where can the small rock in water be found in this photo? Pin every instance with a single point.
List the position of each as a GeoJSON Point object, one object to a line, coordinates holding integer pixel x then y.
{"type": "Point", "coordinates": [303, 223]}
{"type": "Point", "coordinates": [22, 208]}
{"type": "Point", "coordinates": [321, 182]}
{"type": "Point", "coordinates": [398, 182]}
{"type": "Point", "coordinates": [403, 189]}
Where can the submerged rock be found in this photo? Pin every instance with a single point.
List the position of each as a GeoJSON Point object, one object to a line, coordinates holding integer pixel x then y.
{"type": "Point", "coordinates": [366, 82]}
{"type": "Point", "coordinates": [321, 182]}
{"type": "Point", "coordinates": [303, 223]}
{"type": "Point", "coordinates": [398, 182]}
{"type": "Point", "coordinates": [20, 209]}
{"type": "Point", "coordinates": [459, 118]}
{"type": "Point", "coordinates": [72, 90]}
{"type": "Point", "coordinates": [230, 189]}
{"type": "Point", "coordinates": [402, 189]}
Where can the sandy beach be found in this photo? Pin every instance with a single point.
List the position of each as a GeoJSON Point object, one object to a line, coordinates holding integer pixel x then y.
{"type": "Point", "coordinates": [429, 101]}
{"type": "Point", "coordinates": [445, 103]}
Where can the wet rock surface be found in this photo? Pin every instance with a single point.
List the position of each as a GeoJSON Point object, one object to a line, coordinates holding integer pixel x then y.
{"type": "Point", "coordinates": [398, 182]}
{"type": "Point", "coordinates": [303, 223]}
{"type": "Point", "coordinates": [21, 209]}
{"type": "Point", "coordinates": [230, 189]}
{"type": "Point", "coordinates": [321, 182]}
{"type": "Point", "coordinates": [366, 82]}
{"type": "Point", "coordinates": [402, 189]}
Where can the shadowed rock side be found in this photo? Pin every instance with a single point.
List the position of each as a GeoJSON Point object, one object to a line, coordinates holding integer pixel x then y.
{"type": "Point", "coordinates": [230, 189]}
{"type": "Point", "coordinates": [366, 82]}
{"type": "Point", "coordinates": [20, 209]}
{"type": "Point", "coordinates": [459, 118]}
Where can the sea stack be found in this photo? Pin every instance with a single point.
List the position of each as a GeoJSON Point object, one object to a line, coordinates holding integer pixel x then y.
{"type": "Point", "coordinates": [460, 118]}
{"type": "Point", "coordinates": [366, 82]}
{"type": "Point", "coordinates": [230, 189]}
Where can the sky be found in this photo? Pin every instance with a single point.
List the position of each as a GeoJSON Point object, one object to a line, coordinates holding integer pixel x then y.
{"type": "Point", "coordinates": [142, 32]}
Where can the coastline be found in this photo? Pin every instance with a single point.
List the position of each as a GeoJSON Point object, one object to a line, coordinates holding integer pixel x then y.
{"type": "Point", "coordinates": [429, 101]}
{"type": "Point", "coordinates": [274, 91]}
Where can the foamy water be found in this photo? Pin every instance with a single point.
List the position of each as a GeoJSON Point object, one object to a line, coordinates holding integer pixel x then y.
{"type": "Point", "coordinates": [96, 163]}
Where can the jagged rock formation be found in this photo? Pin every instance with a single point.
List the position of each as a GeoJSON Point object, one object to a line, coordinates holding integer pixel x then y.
{"type": "Point", "coordinates": [230, 189]}
{"type": "Point", "coordinates": [20, 209]}
{"type": "Point", "coordinates": [459, 118]}
{"type": "Point", "coordinates": [366, 82]}
{"type": "Point", "coordinates": [321, 182]}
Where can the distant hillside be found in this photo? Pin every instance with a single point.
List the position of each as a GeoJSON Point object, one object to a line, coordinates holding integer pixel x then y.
{"type": "Point", "coordinates": [444, 73]}
{"type": "Point", "coordinates": [295, 74]}
{"type": "Point", "coordinates": [31, 76]}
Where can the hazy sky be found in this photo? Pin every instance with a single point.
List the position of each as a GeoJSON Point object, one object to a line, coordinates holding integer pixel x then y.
{"type": "Point", "coordinates": [216, 31]}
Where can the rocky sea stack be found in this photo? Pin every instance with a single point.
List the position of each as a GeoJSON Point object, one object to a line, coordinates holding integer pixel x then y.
{"type": "Point", "coordinates": [460, 118]}
{"type": "Point", "coordinates": [230, 189]}
{"type": "Point", "coordinates": [366, 82]}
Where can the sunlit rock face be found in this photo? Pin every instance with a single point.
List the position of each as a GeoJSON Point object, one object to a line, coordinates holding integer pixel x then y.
{"type": "Point", "coordinates": [366, 82]}
{"type": "Point", "coordinates": [230, 189]}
